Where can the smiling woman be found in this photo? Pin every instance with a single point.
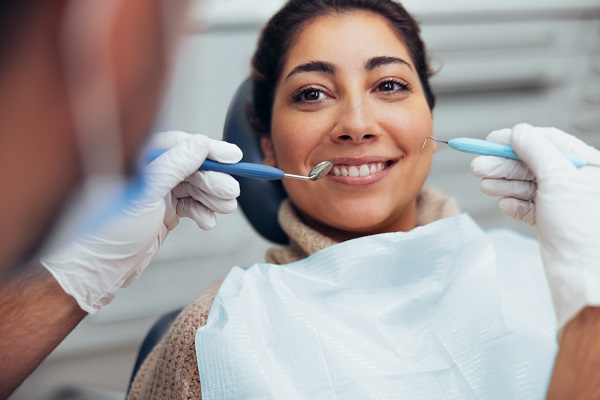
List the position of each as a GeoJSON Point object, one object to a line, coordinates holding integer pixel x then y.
{"type": "Point", "coordinates": [345, 81]}
{"type": "Point", "coordinates": [348, 92]}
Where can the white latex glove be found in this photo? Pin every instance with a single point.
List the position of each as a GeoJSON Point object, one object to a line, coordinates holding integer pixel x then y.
{"type": "Point", "coordinates": [95, 266]}
{"type": "Point", "coordinates": [561, 201]}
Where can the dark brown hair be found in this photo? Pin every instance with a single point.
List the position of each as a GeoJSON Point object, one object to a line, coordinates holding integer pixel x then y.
{"type": "Point", "coordinates": [282, 29]}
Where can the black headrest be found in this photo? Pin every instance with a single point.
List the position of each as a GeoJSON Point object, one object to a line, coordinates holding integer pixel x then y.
{"type": "Point", "coordinates": [259, 199]}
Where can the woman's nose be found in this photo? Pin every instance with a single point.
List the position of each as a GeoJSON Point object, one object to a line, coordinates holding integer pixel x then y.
{"type": "Point", "coordinates": [356, 124]}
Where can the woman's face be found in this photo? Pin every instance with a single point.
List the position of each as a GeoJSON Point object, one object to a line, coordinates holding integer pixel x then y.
{"type": "Point", "coordinates": [349, 93]}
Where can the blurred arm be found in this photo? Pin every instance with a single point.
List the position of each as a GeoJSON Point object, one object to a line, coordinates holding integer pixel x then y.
{"type": "Point", "coordinates": [577, 368]}
{"type": "Point", "coordinates": [35, 316]}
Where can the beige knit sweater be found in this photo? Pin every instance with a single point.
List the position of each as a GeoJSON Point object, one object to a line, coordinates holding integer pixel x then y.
{"type": "Point", "coordinates": [170, 371]}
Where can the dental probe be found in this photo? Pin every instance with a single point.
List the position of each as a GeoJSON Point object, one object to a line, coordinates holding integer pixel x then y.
{"type": "Point", "coordinates": [256, 171]}
{"type": "Point", "coordinates": [485, 148]}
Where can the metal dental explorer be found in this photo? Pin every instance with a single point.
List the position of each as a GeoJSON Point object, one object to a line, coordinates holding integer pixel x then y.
{"type": "Point", "coordinates": [485, 148]}
{"type": "Point", "coordinates": [257, 171]}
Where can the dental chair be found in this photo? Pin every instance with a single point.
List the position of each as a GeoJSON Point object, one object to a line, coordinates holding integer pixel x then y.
{"type": "Point", "coordinates": [259, 199]}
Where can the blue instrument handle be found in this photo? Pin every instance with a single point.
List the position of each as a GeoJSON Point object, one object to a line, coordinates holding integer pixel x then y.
{"type": "Point", "coordinates": [485, 148]}
{"type": "Point", "coordinates": [248, 170]}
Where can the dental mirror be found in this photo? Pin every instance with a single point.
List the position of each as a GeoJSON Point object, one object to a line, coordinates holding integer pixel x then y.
{"type": "Point", "coordinates": [318, 171]}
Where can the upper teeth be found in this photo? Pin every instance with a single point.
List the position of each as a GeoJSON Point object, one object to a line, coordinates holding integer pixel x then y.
{"type": "Point", "coordinates": [358, 170]}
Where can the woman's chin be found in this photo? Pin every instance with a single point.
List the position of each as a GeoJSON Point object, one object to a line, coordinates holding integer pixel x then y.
{"type": "Point", "coordinates": [359, 227]}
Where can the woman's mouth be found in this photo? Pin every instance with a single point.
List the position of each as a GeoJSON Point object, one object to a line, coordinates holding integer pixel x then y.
{"type": "Point", "coordinates": [362, 170]}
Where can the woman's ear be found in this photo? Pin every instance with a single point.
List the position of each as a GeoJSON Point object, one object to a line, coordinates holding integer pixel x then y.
{"type": "Point", "coordinates": [266, 145]}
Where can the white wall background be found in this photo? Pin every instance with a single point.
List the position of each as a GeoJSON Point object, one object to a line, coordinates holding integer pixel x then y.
{"type": "Point", "coordinates": [500, 63]}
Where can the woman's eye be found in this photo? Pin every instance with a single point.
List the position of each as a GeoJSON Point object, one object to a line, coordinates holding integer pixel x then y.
{"type": "Point", "coordinates": [392, 86]}
{"type": "Point", "coordinates": [309, 96]}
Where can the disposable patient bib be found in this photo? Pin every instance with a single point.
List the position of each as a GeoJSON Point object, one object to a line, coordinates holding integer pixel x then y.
{"type": "Point", "coordinates": [445, 311]}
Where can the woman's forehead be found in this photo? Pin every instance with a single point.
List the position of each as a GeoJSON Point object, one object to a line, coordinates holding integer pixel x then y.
{"type": "Point", "coordinates": [346, 38]}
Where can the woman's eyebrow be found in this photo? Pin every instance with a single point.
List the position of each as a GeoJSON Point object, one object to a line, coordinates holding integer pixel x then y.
{"type": "Point", "coordinates": [314, 66]}
{"type": "Point", "coordinates": [375, 62]}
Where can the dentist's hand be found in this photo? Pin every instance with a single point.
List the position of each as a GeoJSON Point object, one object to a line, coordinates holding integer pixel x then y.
{"type": "Point", "coordinates": [94, 267]}
{"type": "Point", "coordinates": [561, 201]}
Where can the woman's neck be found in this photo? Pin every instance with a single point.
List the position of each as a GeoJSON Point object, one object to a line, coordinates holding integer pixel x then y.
{"type": "Point", "coordinates": [405, 221]}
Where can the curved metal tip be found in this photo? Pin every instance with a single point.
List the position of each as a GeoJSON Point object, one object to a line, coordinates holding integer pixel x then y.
{"type": "Point", "coordinates": [432, 138]}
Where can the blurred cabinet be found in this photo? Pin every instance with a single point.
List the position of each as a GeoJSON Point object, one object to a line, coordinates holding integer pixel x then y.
{"type": "Point", "coordinates": [498, 70]}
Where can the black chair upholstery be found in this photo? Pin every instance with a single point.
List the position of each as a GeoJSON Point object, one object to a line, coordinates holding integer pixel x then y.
{"type": "Point", "coordinates": [259, 199]}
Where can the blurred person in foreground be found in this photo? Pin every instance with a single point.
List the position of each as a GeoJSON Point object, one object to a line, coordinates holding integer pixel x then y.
{"type": "Point", "coordinates": [81, 85]}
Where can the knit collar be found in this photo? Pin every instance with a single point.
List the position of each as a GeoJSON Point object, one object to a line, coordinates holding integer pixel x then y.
{"type": "Point", "coordinates": [432, 205]}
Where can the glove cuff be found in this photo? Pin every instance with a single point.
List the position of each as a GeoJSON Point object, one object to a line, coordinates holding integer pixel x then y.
{"type": "Point", "coordinates": [66, 285]}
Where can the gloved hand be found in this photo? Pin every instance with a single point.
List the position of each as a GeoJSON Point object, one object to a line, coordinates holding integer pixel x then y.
{"type": "Point", "coordinates": [561, 201]}
{"type": "Point", "coordinates": [95, 266]}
